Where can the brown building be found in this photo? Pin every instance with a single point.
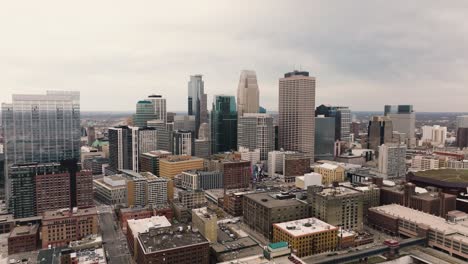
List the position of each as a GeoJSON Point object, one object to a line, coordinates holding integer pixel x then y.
{"type": "Point", "coordinates": [23, 239]}
{"type": "Point", "coordinates": [379, 131]}
{"type": "Point", "coordinates": [262, 210]}
{"type": "Point", "coordinates": [133, 213]}
{"type": "Point", "coordinates": [232, 203]}
{"type": "Point", "coordinates": [62, 226]}
{"type": "Point", "coordinates": [435, 203]}
{"type": "Point", "coordinates": [236, 172]}
{"type": "Point", "coordinates": [163, 210]}
{"type": "Point", "coordinates": [84, 189]}
{"type": "Point", "coordinates": [172, 245]}
{"type": "Point", "coordinates": [296, 164]}
{"type": "Point", "coordinates": [7, 223]}
{"type": "Point", "coordinates": [192, 199]}
{"type": "Point", "coordinates": [52, 192]}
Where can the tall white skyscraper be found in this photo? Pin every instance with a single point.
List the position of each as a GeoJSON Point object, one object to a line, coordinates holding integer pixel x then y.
{"type": "Point", "coordinates": [436, 135]}
{"type": "Point", "coordinates": [247, 93]}
{"type": "Point", "coordinates": [296, 112]}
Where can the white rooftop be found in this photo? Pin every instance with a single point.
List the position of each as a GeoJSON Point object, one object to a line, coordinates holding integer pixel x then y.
{"type": "Point", "coordinates": [436, 223]}
{"type": "Point", "coordinates": [305, 226]}
{"type": "Point", "coordinates": [328, 166]}
{"type": "Point", "coordinates": [143, 225]}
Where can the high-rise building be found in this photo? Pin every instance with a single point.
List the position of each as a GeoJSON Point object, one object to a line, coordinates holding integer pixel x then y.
{"type": "Point", "coordinates": [150, 161]}
{"type": "Point", "coordinates": [120, 148]}
{"type": "Point", "coordinates": [247, 93]}
{"type": "Point", "coordinates": [324, 138]}
{"type": "Point", "coordinates": [42, 128]}
{"type": "Point", "coordinates": [184, 142]}
{"type": "Point", "coordinates": [256, 131]}
{"type": "Point", "coordinates": [223, 124]}
{"type": "Point", "coordinates": [392, 160]}
{"type": "Point", "coordinates": [144, 113]}
{"type": "Point", "coordinates": [144, 139]}
{"type": "Point", "coordinates": [184, 122]}
{"type": "Point", "coordinates": [380, 131]}
{"type": "Point", "coordinates": [197, 101]}
{"type": "Point", "coordinates": [296, 112]}
{"type": "Point", "coordinates": [159, 105]}
{"type": "Point", "coordinates": [461, 121]}
{"type": "Point", "coordinates": [202, 148]}
{"type": "Point", "coordinates": [462, 131]}
{"type": "Point", "coordinates": [171, 166]}
{"type": "Point", "coordinates": [205, 180]}
{"type": "Point", "coordinates": [404, 120]}
{"type": "Point", "coordinates": [436, 135]}
{"type": "Point", "coordinates": [236, 172]}
{"type": "Point", "coordinates": [342, 118]}
{"type": "Point", "coordinates": [276, 162]}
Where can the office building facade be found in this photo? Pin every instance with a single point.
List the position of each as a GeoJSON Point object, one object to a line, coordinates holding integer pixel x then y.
{"type": "Point", "coordinates": [296, 112]}
{"type": "Point", "coordinates": [379, 131]}
{"type": "Point", "coordinates": [342, 118]}
{"type": "Point", "coordinates": [392, 160]}
{"type": "Point", "coordinates": [247, 93]}
{"type": "Point", "coordinates": [324, 138]}
{"type": "Point", "coordinates": [256, 131]}
{"type": "Point", "coordinates": [197, 101]}
{"type": "Point", "coordinates": [403, 119]}
{"type": "Point", "coordinates": [223, 124]}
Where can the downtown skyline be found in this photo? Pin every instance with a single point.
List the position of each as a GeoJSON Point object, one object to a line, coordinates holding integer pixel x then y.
{"type": "Point", "coordinates": [407, 57]}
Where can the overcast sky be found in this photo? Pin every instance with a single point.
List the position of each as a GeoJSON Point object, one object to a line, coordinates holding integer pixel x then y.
{"type": "Point", "coordinates": [363, 53]}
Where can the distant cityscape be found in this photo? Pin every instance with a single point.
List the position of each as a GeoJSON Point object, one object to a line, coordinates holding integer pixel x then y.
{"type": "Point", "coordinates": [231, 182]}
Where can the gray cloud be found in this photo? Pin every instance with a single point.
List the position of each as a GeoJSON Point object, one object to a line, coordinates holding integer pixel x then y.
{"type": "Point", "coordinates": [363, 53]}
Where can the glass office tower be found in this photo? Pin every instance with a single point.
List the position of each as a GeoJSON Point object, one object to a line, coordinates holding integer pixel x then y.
{"type": "Point", "coordinates": [224, 124]}
{"type": "Point", "coordinates": [197, 101]}
{"type": "Point", "coordinates": [42, 128]}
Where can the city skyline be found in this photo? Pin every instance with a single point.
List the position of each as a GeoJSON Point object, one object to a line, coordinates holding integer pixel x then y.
{"type": "Point", "coordinates": [391, 53]}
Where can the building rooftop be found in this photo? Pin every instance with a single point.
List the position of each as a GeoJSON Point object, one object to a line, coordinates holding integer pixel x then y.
{"type": "Point", "coordinates": [143, 225]}
{"type": "Point", "coordinates": [161, 239]}
{"type": "Point", "coordinates": [24, 230]}
{"type": "Point", "coordinates": [328, 166]}
{"type": "Point", "coordinates": [338, 191]}
{"type": "Point", "coordinates": [431, 221]}
{"type": "Point", "coordinates": [305, 226]}
{"type": "Point", "coordinates": [157, 153]}
{"type": "Point", "coordinates": [179, 158]}
{"type": "Point", "coordinates": [447, 175]}
{"type": "Point", "coordinates": [64, 213]}
{"type": "Point", "coordinates": [269, 200]}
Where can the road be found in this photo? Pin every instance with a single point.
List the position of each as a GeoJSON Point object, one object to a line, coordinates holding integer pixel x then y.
{"type": "Point", "coordinates": [115, 243]}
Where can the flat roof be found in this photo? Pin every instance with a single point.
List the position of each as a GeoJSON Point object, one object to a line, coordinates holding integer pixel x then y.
{"type": "Point", "coordinates": [431, 221]}
{"type": "Point", "coordinates": [64, 213]}
{"type": "Point", "coordinates": [24, 230]}
{"type": "Point", "coordinates": [143, 225]}
{"type": "Point", "coordinates": [338, 191]}
{"type": "Point", "coordinates": [447, 175]}
{"type": "Point", "coordinates": [269, 201]}
{"type": "Point", "coordinates": [305, 226]}
{"type": "Point", "coordinates": [170, 238]}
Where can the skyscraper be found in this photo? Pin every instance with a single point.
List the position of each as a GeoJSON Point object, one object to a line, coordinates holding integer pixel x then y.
{"type": "Point", "coordinates": [120, 148]}
{"type": "Point", "coordinates": [462, 131]}
{"type": "Point", "coordinates": [159, 104]}
{"type": "Point", "coordinates": [144, 113]}
{"type": "Point", "coordinates": [379, 131]}
{"type": "Point", "coordinates": [224, 124]}
{"type": "Point", "coordinates": [42, 128]}
{"type": "Point", "coordinates": [296, 112]}
{"type": "Point", "coordinates": [324, 137]}
{"type": "Point", "coordinates": [342, 116]}
{"type": "Point", "coordinates": [184, 143]}
{"type": "Point", "coordinates": [255, 131]}
{"type": "Point", "coordinates": [404, 121]}
{"type": "Point", "coordinates": [197, 101]}
{"type": "Point", "coordinates": [392, 160]}
{"type": "Point", "coordinates": [247, 93]}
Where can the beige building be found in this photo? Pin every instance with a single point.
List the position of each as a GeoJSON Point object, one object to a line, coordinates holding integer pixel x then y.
{"type": "Point", "coordinates": [330, 173]}
{"type": "Point", "coordinates": [60, 227]}
{"type": "Point", "coordinates": [307, 236]}
{"type": "Point", "coordinates": [297, 112]}
{"type": "Point", "coordinates": [205, 221]}
{"type": "Point", "coordinates": [338, 206]}
{"type": "Point", "coordinates": [147, 189]}
{"type": "Point", "coordinates": [111, 189]}
{"type": "Point", "coordinates": [176, 164]}
{"type": "Point", "coordinates": [247, 93]}
{"type": "Point", "coordinates": [424, 163]}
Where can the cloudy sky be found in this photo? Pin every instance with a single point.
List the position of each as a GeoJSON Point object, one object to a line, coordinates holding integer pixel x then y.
{"type": "Point", "coordinates": [363, 53]}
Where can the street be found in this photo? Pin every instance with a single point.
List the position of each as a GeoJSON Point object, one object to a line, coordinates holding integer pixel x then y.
{"type": "Point", "coordinates": [115, 243]}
